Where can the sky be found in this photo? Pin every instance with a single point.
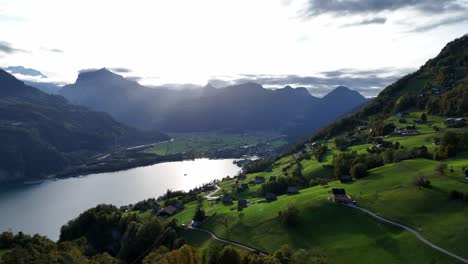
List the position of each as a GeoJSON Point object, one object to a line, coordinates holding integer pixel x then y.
{"type": "Point", "coordinates": [317, 44]}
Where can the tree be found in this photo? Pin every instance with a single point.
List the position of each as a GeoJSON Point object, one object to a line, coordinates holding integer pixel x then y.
{"type": "Point", "coordinates": [199, 215]}
{"type": "Point", "coordinates": [283, 254]}
{"type": "Point", "coordinates": [229, 256]}
{"type": "Point", "coordinates": [359, 170]}
{"type": "Point", "coordinates": [290, 216]}
{"type": "Point", "coordinates": [421, 181]}
{"type": "Point", "coordinates": [424, 117]}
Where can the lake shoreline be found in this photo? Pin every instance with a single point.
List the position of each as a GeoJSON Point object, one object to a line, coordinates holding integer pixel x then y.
{"type": "Point", "coordinates": [44, 208]}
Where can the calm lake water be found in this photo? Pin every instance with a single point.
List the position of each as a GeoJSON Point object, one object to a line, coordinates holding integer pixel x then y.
{"type": "Point", "coordinates": [44, 208]}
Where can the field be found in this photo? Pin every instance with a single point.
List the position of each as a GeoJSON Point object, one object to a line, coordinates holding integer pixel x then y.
{"type": "Point", "coordinates": [202, 142]}
{"type": "Point", "coordinates": [344, 234]}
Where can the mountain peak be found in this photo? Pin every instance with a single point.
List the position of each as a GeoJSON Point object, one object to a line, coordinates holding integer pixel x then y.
{"type": "Point", "coordinates": [102, 73]}
{"type": "Point", "coordinates": [343, 91]}
{"type": "Point", "coordinates": [208, 86]}
{"type": "Point", "coordinates": [6, 77]}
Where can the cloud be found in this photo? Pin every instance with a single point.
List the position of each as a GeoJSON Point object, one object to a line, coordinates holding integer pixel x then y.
{"type": "Point", "coordinates": [367, 82]}
{"type": "Point", "coordinates": [120, 70]}
{"type": "Point", "coordinates": [56, 50]}
{"type": "Point", "coordinates": [375, 20]}
{"type": "Point", "coordinates": [88, 70]}
{"type": "Point", "coordinates": [355, 7]}
{"type": "Point", "coordinates": [440, 23]}
{"type": "Point", "coordinates": [6, 47]}
{"type": "Point", "coordinates": [24, 71]}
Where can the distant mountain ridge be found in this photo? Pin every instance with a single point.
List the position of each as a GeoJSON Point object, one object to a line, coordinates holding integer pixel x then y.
{"type": "Point", "coordinates": [42, 134]}
{"type": "Point", "coordinates": [246, 106]}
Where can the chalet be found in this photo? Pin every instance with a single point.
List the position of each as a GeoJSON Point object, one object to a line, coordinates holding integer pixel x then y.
{"type": "Point", "coordinates": [339, 195]}
{"type": "Point", "coordinates": [227, 199]}
{"type": "Point", "coordinates": [273, 178]}
{"type": "Point", "coordinates": [242, 203]}
{"type": "Point", "coordinates": [405, 131]}
{"type": "Point", "coordinates": [292, 190]}
{"type": "Point", "coordinates": [259, 179]}
{"type": "Point", "coordinates": [270, 197]}
{"type": "Point", "coordinates": [345, 178]}
{"type": "Point", "coordinates": [454, 122]}
{"type": "Point", "coordinates": [167, 211]}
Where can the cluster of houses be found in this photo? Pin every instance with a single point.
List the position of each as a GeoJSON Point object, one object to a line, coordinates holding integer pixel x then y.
{"type": "Point", "coordinates": [455, 122]}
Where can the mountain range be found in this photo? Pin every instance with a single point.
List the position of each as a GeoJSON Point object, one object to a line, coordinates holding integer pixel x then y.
{"type": "Point", "coordinates": [42, 134]}
{"type": "Point", "coordinates": [241, 107]}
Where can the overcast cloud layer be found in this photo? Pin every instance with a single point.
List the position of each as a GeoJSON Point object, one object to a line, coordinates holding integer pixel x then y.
{"type": "Point", "coordinates": [318, 44]}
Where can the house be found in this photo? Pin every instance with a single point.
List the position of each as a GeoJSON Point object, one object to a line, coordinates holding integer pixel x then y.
{"type": "Point", "coordinates": [270, 197]}
{"type": "Point", "coordinates": [242, 203]}
{"type": "Point", "coordinates": [259, 179]}
{"type": "Point", "coordinates": [436, 141]}
{"type": "Point", "coordinates": [292, 190]}
{"type": "Point", "coordinates": [244, 186]}
{"type": "Point", "coordinates": [338, 195]}
{"type": "Point", "coordinates": [361, 128]}
{"type": "Point", "coordinates": [167, 211]}
{"type": "Point", "coordinates": [402, 121]}
{"type": "Point", "coordinates": [399, 115]}
{"type": "Point", "coordinates": [345, 178]}
{"type": "Point", "coordinates": [273, 178]}
{"type": "Point", "coordinates": [227, 199]}
{"type": "Point", "coordinates": [242, 176]}
{"type": "Point", "coordinates": [419, 121]}
{"type": "Point", "coordinates": [454, 122]}
{"type": "Point", "coordinates": [179, 206]}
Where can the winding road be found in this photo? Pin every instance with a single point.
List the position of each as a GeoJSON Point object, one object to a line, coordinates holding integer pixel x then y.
{"type": "Point", "coordinates": [414, 232]}
{"type": "Point", "coordinates": [215, 237]}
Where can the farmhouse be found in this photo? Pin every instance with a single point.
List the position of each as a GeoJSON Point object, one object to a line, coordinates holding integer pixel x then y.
{"type": "Point", "coordinates": [270, 197]}
{"type": "Point", "coordinates": [339, 195]}
{"type": "Point", "coordinates": [167, 211]}
{"type": "Point", "coordinates": [259, 179]}
{"type": "Point", "coordinates": [455, 122]}
{"type": "Point", "coordinates": [292, 190]}
{"type": "Point", "coordinates": [272, 178]}
{"type": "Point", "coordinates": [346, 178]}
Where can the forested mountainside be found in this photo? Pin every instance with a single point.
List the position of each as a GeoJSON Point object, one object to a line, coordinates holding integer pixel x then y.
{"type": "Point", "coordinates": [43, 133]}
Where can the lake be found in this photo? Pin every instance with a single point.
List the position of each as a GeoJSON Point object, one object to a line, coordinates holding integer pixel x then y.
{"type": "Point", "coordinates": [45, 207]}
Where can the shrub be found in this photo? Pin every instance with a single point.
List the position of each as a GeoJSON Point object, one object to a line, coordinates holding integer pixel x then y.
{"type": "Point", "coordinates": [290, 216]}
{"type": "Point", "coordinates": [421, 181]}
{"type": "Point", "coordinates": [456, 195]}
{"type": "Point", "coordinates": [359, 170]}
